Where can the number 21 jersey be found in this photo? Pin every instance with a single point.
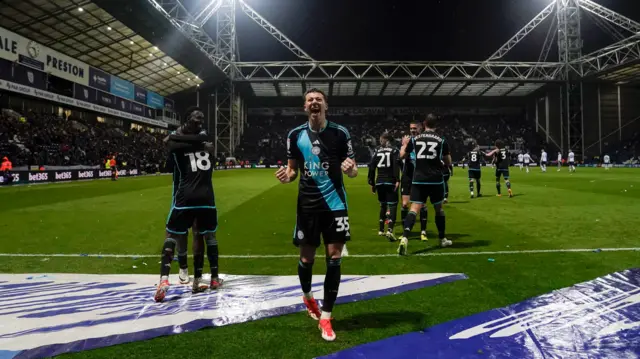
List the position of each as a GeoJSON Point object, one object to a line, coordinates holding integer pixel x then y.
{"type": "Point", "coordinates": [429, 149]}
{"type": "Point", "coordinates": [192, 171]}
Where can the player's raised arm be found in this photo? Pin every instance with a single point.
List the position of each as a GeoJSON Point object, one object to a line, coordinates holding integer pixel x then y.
{"type": "Point", "coordinates": [493, 152]}
{"type": "Point", "coordinates": [407, 146]}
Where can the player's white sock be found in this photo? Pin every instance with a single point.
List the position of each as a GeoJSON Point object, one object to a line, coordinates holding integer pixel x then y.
{"type": "Point", "coordinates": [325, 315]}
{"type": "Point", "coordinates": [308, 295]}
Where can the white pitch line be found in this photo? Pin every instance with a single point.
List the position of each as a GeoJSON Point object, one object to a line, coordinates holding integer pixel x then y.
{"type": "Point", "coordinates": [261, 256]}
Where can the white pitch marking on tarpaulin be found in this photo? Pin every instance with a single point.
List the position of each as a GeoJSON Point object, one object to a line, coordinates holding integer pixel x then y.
{"type": "Point", "coordinates": [265, 256]}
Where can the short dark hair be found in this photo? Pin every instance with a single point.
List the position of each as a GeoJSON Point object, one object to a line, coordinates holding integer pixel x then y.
{"type": "Point", "coordinates": [431, 121]}
{"type": "Point", "coordinates": [386, 136]}
{"type": "Point", "coordinates": [499, 144]}
{"type": "Point", "coordinates": [315, 90]}
{"type": "Point", "coordinates": [189, 111]}
{"type": "Point", "coordinates": [415, 122]}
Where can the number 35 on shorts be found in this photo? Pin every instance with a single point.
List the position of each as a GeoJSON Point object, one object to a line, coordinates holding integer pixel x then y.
{"type": "Point", "coordinates": [342, 224]}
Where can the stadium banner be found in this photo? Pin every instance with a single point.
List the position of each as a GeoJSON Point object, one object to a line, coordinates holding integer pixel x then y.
{"type": "Point", "coordinates": [140, 94]}
{"type": "Point", "coordinates": [44, 315]}
{"type": "Point", "coordinates": [49, 96]}
{"type": "Point", "coordinates": [123, 105]}
{"type": "Point", "coordinates": [18, 48]}
{"type": "Point", "coordinates": [595, 319]}
{"type": "Point", "coordinates": [122, 88]}
{"type": "Point", "coordinates": [169, 105]}
{"type": "Point", "coordinates": [106, 100]}
{"type": "Point", "coordinates": [85, 93]}
{"type": "Point", "coordinates": [149, 113]}
{"type": "Point", "coordinates": [137, 109]}
{"type": "Point", "coordinates": [21, 177]}
{"type": "Point", "coordinates": [23, 75]}
{"type": "Point", "coordinates": [99, 79]}
{"type": "Point", "coordinates": [154, 100]}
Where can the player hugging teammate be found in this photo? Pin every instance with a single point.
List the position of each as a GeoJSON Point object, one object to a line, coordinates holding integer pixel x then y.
{"type": "Point", "coordinates": [501, 157]}
{"type": "Point", "coordinates": [408, 167]}
{"type": "Point", "coordinates": [432, 158]}
{"type": "Point", "coordinates": [193, 204]}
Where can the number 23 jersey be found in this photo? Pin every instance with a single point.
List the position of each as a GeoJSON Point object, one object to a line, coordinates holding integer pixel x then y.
{"type": "Point", "coordinates": [192, 183]}
{"type": "Point", "coordinates": [429, 149]}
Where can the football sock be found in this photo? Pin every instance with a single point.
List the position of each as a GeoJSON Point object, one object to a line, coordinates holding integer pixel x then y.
{"type": "Point", "coordinates": [168, 250]}
{"type": "Point", "coordinates": [508, 184]}
{"type": "Point", "coordinates": [440, 223]}
{"type": "Point", "coordinates": [409, 222]}
{"type": "Point", "coordinates": [403, 212]}
{"type": "Point", "coordinates": [212, 253]}
{"type": "Point", "coordinates": [446, 189]}
{"type": "Point", "coordinates": [198, 255]}
{"type": "Point", "coordinates": [305, 272]}
{"type": "Point", "coordinates": [393, 208]}
{"type": "Point", "coordinates": [182, 260]}
{"type": "Point", "coordinates": [478, 185]}
{"type": "Point", "coordinates": [423, 219]}
{"type": "Point", "coordinates": [383, 215]}
{"type": "Point", "coordinates": [470, 185]}
{"type": "Point", "coordinates": [331, 283]}
{"type": "Point", "coordinates": [498, 187]}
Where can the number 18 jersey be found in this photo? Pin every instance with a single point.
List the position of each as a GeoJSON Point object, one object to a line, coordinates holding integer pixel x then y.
{"type": "Point", "coordinates": [192, 172]}
{"type": "Point", "coordinates": [429, 149]}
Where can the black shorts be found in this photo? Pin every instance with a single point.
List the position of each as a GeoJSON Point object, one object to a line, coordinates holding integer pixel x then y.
{"type": "Point", "coordinates": [421, 192]}
{"type": "Point", "coordinates": [203, 220]}
{"type": "Point", "coordinates": [406, 186]}
{"type": "Point", "coordinates": [387, 193]}
{"type": "Point", "coordinates": [475, 174]}
{"type": "Point", "coordinates": [572, 163]}
{"type": "Point", "coordinates": [333, 226]}
{"type": "Point", "coordinates": [543, 163]}
{"type": "Point", "coordinates": [502, 172]}
{"type": "Point", "coordinates": [526, 164]}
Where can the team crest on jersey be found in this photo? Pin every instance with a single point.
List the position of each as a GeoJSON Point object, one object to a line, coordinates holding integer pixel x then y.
{"type": "Point", "coordinates": [47, 315]}
{"type": "Point", "coordinates": [315, 150]}
{"type": "Point", "coordinates": [300, 235]}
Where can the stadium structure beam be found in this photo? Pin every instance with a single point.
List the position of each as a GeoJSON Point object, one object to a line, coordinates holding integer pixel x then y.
{"type": "Point", "coordinates": [208, 11]}
{"type": "Point", "coordinates": [610, 15]}
{"type": "Point", "coordinates": [395, 70]}
{"type": "Point", "coordinates": [620, 53]}
{"type": "Point", "coordinates": [522, 33]}
{"type": "Point", "coordinates": [548, 41]}
{"type": "Point", "coordinates": [273, 31]}
{"type": "Point", "coordinates": [185, 23]}
{"type": "Point", "coordinates": [570, 50]}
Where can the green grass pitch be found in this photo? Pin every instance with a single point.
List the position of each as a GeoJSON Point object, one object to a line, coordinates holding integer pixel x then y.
{"type": "Point", "coordinates": [592, 208]}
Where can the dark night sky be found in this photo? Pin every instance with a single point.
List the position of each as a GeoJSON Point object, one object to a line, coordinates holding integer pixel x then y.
{"type": "Point", "coordinates": [428, 30]}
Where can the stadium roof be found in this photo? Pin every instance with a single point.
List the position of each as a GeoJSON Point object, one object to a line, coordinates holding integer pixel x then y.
{"type": "Point", "coordinates": [82, 30]}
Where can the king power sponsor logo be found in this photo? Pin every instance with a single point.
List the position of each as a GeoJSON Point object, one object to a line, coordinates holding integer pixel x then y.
{"type": "Point", "coordinates": [597, 319]}
{"type": "Point", "coordinates": [47, 315]}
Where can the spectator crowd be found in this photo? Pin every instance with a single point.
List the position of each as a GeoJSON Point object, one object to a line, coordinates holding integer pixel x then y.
{"type": "Point", "coordinates": [33, 139]}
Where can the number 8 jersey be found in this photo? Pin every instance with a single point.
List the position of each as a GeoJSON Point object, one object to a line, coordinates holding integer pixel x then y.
{"type": "Point", "coordinates": [429, 149]}
{"type": "Point", "coordinates": [192, 172]}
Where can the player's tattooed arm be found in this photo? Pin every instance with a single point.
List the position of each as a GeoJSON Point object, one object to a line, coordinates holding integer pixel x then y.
{"type": "Point", "coordinates": [490, 154]}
